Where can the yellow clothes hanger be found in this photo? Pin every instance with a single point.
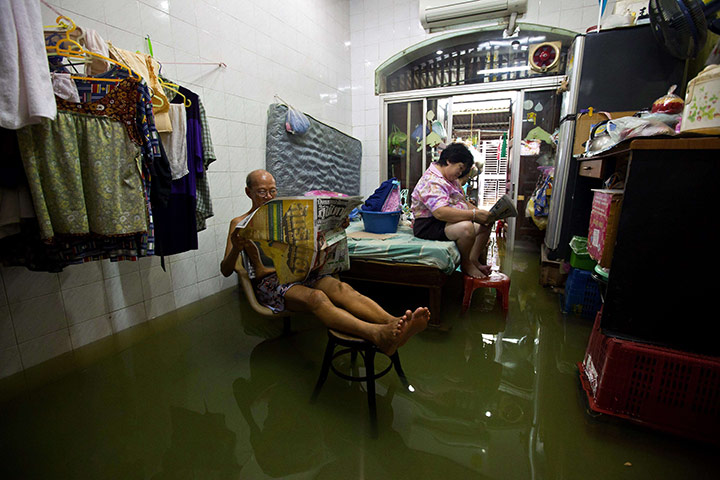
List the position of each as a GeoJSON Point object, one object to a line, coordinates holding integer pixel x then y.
{"type": "Point", "coordinates": [63, 48]}
{"type": "Point", "coordinates": [170, 86]}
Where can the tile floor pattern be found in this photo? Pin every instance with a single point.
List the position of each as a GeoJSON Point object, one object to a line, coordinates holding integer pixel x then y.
{"type": "Point", "coordinates": [218, 395]}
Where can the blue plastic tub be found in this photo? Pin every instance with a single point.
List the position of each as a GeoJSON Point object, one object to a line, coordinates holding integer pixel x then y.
{"type": "Point", "coordinates": [381, 222]}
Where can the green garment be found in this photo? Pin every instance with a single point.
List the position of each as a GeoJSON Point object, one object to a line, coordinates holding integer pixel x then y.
{"type": "Point", "coordinates": [84, 176]}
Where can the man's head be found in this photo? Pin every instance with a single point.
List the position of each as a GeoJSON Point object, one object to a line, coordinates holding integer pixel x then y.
{"type": "Point", "coordinates": [260, 187]}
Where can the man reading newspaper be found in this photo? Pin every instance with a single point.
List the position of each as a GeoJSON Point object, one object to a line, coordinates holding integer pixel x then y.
{"type": "Point", "coordinates": [290, 246]}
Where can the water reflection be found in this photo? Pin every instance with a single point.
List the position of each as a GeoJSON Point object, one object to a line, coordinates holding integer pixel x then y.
{"type": "Point", "coordinates": [328, 439]}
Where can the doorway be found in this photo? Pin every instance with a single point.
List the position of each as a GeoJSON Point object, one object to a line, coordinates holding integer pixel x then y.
{"type": "Point", "coordinates": [512, 132]}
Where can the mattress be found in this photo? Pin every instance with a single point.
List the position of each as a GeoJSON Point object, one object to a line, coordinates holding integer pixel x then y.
{"type": "Point", "coordinates": [402, 247]}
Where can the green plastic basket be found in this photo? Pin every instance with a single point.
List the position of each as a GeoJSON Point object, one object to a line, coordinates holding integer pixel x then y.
{"type": "Point", "coordinates": [579, 258]}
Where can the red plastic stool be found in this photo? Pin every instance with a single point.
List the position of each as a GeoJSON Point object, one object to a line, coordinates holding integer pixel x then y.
{"type": "Point", "coordinates": [499, 281]}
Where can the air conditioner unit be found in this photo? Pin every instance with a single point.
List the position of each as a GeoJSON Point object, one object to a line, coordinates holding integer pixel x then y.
{"type": "Point", "coordinates": [439, 14]}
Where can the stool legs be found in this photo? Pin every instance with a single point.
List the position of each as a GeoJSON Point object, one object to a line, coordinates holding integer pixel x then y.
{"type": "Point", "coordinates": [469, 288]}
{"type": "Point", "coordinates": [503, 295]}
{"type": "Point", "coordinates": [370, 374]}
{"type": "Point", "coordinates": [327, 360]}
{"type": "Point", "coordinates": [501, 286]}
{"type": "Point", "coordinates": [395, 358]}
{"type": "Point", "coordinates": [368, 351]}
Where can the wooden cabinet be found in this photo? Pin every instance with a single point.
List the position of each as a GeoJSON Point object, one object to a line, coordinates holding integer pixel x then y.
{"type": "Point", "coordinates": [663, 276]}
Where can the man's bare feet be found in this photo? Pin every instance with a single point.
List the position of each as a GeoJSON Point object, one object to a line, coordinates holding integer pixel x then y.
{"type": "Point", "coordinates": [412, 323]}
{"type": "Point", "coordinates": [387, 335]}
{"type": "Point", "coordinates": [395, 334]}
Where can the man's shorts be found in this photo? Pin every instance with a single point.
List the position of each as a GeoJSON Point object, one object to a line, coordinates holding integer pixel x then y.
{"type": "Point", "coordinates": [271, 293]}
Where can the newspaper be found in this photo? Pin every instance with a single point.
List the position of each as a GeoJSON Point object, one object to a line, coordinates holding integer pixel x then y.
{"type": "Point", "coordinates": [302, 234]}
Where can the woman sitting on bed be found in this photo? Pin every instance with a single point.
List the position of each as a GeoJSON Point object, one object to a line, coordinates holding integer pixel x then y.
{"type": "Point", "coordinates": [441, 211]}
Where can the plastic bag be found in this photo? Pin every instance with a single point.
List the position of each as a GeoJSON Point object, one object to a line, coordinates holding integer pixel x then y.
{"type": "Point", "coordinates": [630, 127]}
{"type": "Point", "coordinates": [439, 128]}
{"type": "Point", "coordinates": [397, 140]}
{"type": "Point", "coordinates": [669, 103]}
{"type": "Point", "coordinates": [296, 122]}
{"type": "Point", "coordinates": [417, 133]}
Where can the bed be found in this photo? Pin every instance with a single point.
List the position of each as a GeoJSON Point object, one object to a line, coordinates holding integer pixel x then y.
{"type": "Point", "coordinates": [402, 259]}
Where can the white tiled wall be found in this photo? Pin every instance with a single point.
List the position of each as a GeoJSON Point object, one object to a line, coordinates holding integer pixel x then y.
{"type": "Point", "coordinates": [381, 28]}
{"type": "Point", "coordinates": [318, 55]}
{"type": "Point", "coordinates": [295, 49]}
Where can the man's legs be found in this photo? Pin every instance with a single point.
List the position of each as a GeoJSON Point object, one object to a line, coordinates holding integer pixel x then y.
{"type": "Point", "coordinates": [387, 336]}
{"type": "Point", "coordinates": [346, 297]}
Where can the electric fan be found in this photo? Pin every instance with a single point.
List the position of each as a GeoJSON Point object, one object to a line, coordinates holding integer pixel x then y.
{"type": "Point", "coordinates": [681, 26]}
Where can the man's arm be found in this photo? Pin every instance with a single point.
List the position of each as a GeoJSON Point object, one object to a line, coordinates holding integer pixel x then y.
{"type": "Point", "coordinates": [234, 245]}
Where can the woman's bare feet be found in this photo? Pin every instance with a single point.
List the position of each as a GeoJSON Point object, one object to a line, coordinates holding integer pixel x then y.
{"type": "Point", "coordinates": [485, 269]}
{"type": "Point", "coordinates": [469, 268]}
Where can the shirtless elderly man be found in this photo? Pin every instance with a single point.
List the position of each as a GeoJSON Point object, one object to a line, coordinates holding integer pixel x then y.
{"type": "Point", "coordinates": [335, 303]}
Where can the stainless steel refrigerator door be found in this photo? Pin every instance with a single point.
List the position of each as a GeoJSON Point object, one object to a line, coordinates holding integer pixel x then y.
{"type": "Point", "coordinates": [566, 136]}
{"type": "Point", "coordinates": [573, 72]}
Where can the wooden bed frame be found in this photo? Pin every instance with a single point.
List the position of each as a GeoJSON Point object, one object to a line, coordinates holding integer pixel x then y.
{"type": "Point", "coordinates": [413, 275]}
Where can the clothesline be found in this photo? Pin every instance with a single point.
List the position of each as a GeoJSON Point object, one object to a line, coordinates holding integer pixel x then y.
{"type": "Point", "coordinates": [219, 64]}
{"type": "Point", "coordinates": [147, 37]}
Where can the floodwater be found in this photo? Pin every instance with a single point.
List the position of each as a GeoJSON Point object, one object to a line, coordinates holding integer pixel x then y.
{"type": "Point", "coordinates": [214, 392]}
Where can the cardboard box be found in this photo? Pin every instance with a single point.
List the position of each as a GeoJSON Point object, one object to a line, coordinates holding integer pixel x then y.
{"type": "Point", "coordinates": [552, 273]}
{"type": "Point", "coordinates": [604, 218]}
{"type": "Point", "coordinates": [584, 124]}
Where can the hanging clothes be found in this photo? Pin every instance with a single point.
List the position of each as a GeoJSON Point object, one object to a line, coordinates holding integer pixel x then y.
{"type": "Point", "coordinates": [95, 43]}
{"type": "Point", "coordinates": [26, 95]}
{"type": "Point", "coordinates": [176, 225]}
{"type": "Point", "coordinates": [83, 170]}
{"type": "Point", "coordinates": [157, 162]}
{"type": "Point", "coordinates": [64, 87]}
{"type": "Point", "coordinates": [148, 68]}
{"type": "Point", "coordinates": [175, 142]}
{"type": "Point", "coordinates": [203, 207]}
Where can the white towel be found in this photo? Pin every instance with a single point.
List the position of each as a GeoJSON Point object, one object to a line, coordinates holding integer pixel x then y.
{"type": "Point", "coordinates": [175, 142]}
{"type": "Point", "coordinates": [26, 95]}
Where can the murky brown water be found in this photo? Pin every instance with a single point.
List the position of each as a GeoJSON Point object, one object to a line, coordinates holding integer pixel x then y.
{"type": "Point", "coordinates": [212, 398]}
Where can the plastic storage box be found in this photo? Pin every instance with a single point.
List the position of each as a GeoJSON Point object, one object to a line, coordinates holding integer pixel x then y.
{"type": "Point", "coordinates": [582, 294]}
{"type": "Point", "coordinates": [381, 222]}
{"type": "Point", "coordinates": [579, 256]}
{"type": "Point", "coordinates": [604, 218]}
{"type": "Point", "coordinates": [662, 388]}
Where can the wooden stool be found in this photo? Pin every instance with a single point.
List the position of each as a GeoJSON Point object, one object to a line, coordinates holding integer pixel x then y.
{"type": "Point", "coordinates": [367, 350]}
{"type": "Point", "coordinates": [499, 281]}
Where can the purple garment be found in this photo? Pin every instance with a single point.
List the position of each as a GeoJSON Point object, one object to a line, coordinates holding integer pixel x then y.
{"type": "Point", "coordinates": [176, 225]}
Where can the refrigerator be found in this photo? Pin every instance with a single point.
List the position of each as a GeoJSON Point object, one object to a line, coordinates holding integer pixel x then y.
{"type": "Point", "coordinates": [623, 69]}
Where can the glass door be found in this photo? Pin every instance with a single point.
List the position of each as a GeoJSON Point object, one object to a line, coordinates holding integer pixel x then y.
{"type": "Point", "coordinates": [540, 120]}
{"type": "Point", "coordinates": [404, 129]}
{"type": "Point", "coordinates": [415, 131]}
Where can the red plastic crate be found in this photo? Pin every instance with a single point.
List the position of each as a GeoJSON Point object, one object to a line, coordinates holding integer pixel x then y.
{"type": "Point", "coordinates": [666, 389]}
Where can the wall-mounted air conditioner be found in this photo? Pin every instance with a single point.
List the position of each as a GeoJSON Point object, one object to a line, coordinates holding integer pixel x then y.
{"type": "Point", "coordinates": [439, 14]}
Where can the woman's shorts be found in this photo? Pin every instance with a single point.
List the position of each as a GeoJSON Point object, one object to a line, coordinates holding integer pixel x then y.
{"type": "Point", "coordinates": [271, 293]}
{"type": "Point", "coordinates": [429, 228]}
